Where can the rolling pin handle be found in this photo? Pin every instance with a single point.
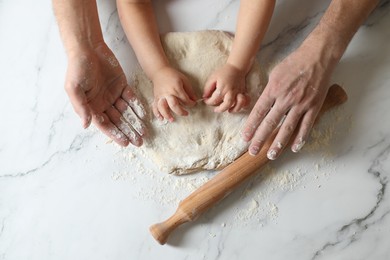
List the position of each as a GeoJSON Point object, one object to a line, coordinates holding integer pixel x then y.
{"type": "Point", "coordinates": [161, 231]}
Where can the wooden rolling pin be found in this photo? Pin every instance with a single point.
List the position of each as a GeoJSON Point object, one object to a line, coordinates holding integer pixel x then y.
{"type": "Point", "coordinates": [228, 179]}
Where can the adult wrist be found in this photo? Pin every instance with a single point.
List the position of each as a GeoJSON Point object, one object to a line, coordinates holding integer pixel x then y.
{"type": "Point", "coordinates": [82, 46]}
{"type": "Point", "coordinates": [327, 43]}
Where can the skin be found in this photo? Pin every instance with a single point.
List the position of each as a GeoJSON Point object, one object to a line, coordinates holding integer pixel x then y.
{"type": "Point", "coordinates": [95, 82]}
{"type": "Point", "coordinates": [298, 85]}
{"type": "Point", "coordinates": [225, 88]}
{"type": "Point", "coordinates": [172, 90]}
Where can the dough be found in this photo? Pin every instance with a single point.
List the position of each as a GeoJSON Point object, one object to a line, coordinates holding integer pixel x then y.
{"type": "Point", "coordinates": [203, 140]}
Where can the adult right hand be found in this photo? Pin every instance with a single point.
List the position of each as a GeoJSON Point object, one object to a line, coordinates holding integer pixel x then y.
{"type": "Point", "coordinates": [99, 93]}
{"type": "Point", "coordinates": [295, 92]}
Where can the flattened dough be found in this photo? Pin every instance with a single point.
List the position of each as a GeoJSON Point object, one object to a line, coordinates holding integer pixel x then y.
{"type": "Point", "coordinates": [204, 140]}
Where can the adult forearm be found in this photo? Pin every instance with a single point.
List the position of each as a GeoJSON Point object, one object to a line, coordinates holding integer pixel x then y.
{"type": "Point", "coordinates": [79, 24]}
{"type": "Point", "coordinates": [337, 27]}
{"type": "Point", "coordinates": [252, 23]}
{"type": "Point", "coordinates": [140, 26]}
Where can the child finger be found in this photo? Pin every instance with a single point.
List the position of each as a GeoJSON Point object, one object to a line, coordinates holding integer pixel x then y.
{"type": "Point", "coordinates": [247, 100]}
{"type": "Point", "coordinates": [189, 93]}
{"type": "Point", "coordinates": [228, 102]}
{"type": "Point", "coordinates": [185, 99]}
{"type": "Point", "coordinates": [156, 112]}
{"type": "Point", "coordinates": [209, 88]}
{"type": "Point", "coordinates": [240, 103]}
{"type": "Point", "coordinates": [175, 106]}
{"type": "Point", "coordinates": [163, 108]}
{"type": "Point", "coordinates": [216, 98]}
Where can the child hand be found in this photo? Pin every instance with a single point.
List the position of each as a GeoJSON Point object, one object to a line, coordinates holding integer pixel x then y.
{"type": "Point", "coordinates": [172, 92]}
{"type": "Point", "coordinates": [225, 89]}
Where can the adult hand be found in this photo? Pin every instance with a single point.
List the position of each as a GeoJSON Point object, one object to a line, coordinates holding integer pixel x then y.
{"type": "Point", "coordinates": [98, 91]}
{"type": "Point", "coordinates": [172, 92]}
{"type": "Point", "coordinates": [292, 99]}
{"type": "Point", "coordinates": [225, 89]}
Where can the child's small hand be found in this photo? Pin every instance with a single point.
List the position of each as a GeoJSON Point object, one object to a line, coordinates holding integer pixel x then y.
{"type": "Point", "coordinates": [225, 89]}
{"type": "Point", "coordinates": [172, 92]}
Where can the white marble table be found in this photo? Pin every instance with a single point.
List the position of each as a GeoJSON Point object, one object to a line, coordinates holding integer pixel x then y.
{"type": "Point", "coordinates": [65, 193]}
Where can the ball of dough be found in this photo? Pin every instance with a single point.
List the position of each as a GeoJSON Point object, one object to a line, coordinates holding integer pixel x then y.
{"type": "Point", "coordinates": [203, 140]}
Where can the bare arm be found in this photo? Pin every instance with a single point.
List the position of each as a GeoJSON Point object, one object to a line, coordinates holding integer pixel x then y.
{"type": "Point", "coordinates": [253, 20]}
{"type": "Point", "coordinates": [95, 82]}
{"type": "Point", "coordinates": [139, 22]}
{"type": "Point", "coordinates": [226, 88]}
{"type": "Point", "coordinates": [79, 24]}
{"type": "Point", "coordinates": [172, 90]}
{"type": "Point", "coordinates": [298, 85]}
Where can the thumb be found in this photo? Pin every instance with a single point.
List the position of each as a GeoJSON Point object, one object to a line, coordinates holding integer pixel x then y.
{"type": "Point", "coordinates": [190, 92]}
{"type": "Point", "coordinates": [209, 88]}
{"type": "Point", "coordinates": [80, 103]}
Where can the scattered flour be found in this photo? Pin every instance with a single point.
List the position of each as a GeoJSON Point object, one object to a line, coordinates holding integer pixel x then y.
{"type": "Point", "coordinates": [258, 199]}
{"type": "Point", "coordinates": [204, 140]}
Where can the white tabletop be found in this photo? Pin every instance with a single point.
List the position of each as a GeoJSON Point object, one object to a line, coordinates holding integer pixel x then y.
{"type": "Point", "coordinates": [68, 193]}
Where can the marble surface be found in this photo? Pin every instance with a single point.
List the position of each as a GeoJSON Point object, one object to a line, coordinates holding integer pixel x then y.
{"type": "Point", "coordinates": [68, 193]}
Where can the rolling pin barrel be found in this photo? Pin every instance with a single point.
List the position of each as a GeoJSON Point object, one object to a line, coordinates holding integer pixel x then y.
{"type": "Point", "coordinates": [228, 179]}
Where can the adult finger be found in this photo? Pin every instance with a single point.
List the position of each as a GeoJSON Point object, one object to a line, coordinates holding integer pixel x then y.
{"type": "Point", "coordinates": [256, 116]}
{"type": "Point", "coordinates": [124, 126]}
{"type": "Point", "coordinates": [269, 124]}
{"type": "Point", "coordinates": [228, 102]}
{"type": "Point", "coordinates": [176, 107]}
{"type": "Point", "coordinates": [129, 96]}
{"type": "Point", "coordinates": [304, 127]}
{"type": "Point", "coordinates": [104, 124]}
{"type": "Point", "coordinates": [130, 116]}
{"type": "Point", "coordinates": [80, 103]}
{"type": "Point", "coordinates": [163, 108]}
{"type": "Point", "coordinates": [284, 134]}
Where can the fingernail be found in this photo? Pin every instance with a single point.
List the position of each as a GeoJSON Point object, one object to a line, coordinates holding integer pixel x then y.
{"type": "Point", "coordinates": [253, 150]}
{"type": "Point", "coordinates": [297, 147]}
{"type": "Point", "coordinates": [271, 154]}
{"type": "Point", "coordinates": [87, 122]}
{"type": "Point", "coordinates": [99, 118]}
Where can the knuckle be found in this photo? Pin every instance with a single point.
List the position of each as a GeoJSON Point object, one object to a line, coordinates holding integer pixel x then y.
{"type": "Point", "coordinates": [289, 128]}
{"type": "Point", "coordinates": [229, 100]}
{"type": "Point", "coordinates": [270, 123]}
{"type": "Point", "coordinates": [174, 102]}
{"type": "Point", "coordinates": [257, 141]}
{"type": "Point", "coordinates": [71, 86]}
{"type": "Point", "coordinates": [259, 112]}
